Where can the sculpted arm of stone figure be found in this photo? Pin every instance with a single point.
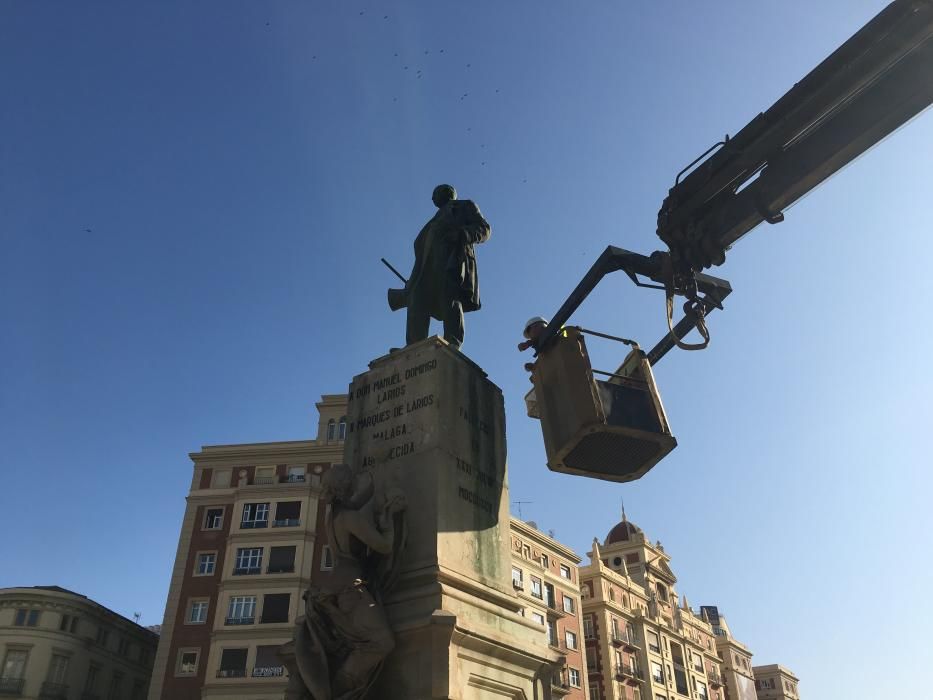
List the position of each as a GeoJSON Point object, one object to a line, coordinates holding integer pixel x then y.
{"type": "Point", "coordinates": [475, 228]}
{"type": "Point", "coordinates": [380, 539]}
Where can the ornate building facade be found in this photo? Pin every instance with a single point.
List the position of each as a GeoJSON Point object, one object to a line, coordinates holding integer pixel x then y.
{"type": "Point", "coordinates": [57, 644]}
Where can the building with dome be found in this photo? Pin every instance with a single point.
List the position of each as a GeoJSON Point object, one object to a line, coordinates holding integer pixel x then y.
{"type": "Point", "coordinates": [643, 642]}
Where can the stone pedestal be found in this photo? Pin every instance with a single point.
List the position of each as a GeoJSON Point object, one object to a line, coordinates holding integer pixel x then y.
{"type": "Point", "coordinates": [427, 420]}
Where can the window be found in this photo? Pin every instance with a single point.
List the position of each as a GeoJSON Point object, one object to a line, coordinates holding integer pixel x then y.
{"type": "Point", "coordinates": [296, 474]}
{"type": "Point", "coordinates": [657, 673]}
{"type": "Point", "coordinates": [116, 687]}
{"type": "Point", "coordinates": [594, 691]}
{"type": "Point", "coordinates": [281, 560]}
{"type": "Point", "coordinates": [331, 430]}
{"type": "Point", "coordinates": [267, 662]}
{"type": "Point", "coordinates": [102, 636]}
{"type": "Point", "coordinates": [697, 661]}
{"type": "Point", "coordinates": [123, 646]}
{"type": "Point", "coordinates": [701, 691]}
{"type": "Point", "coordinates": [570, 639]}
{"type": "Point", "coordinates": [549, 596]}
{"type": "Point", "coordinates": [565, 571]}
{"type": "Point", "coordinates": [220, 479]}
{"type": "Point", "coordinates": [27, 618]}
{"type": "Point", "coordinates": [588, 627]}
{"type": "Point", "coordinates": [536, 587]}
{"type": "Point", "coordinates": [139, 690]}
{"type": "Point", "coordinates": [264, 475]}
{"type": "Point", "coordinates": [187, 662]}
{"type": "Point", "coordinates": [91, 680]}
{"type": "Point", "coordinates": [654, 644]}
{"type": "Point", "coordinates": [275, 607]}
{"type": "Point", "coordinates": [552, 633]}
{"type": "Point", "coordinates": [568, 604]}
{"type": "Point", "coordinates": [545, 562]}
{"type": "Point", "coordinates": [573, 676]}
{"type": "Point", "coordinates": [197, 612]}
{"type": "Point", "coordinates": [517, 578]}
{"type": "Point", "coordinates": [327, 558]}
{"type": "Point", "coordinates": [342, 429]}
{"type": "Point", "coordinates": [14, 665]}
{"type": "Point", "coordinates": [242, 610]}
{"type": "Point", "coordinates": [214, 519]}
{"type": "Point", "coordinates": [248, 561]}
{"type": "Point", "coordinates": [287, 514]}
{"type": "Point", "coordinates": [143, 656]}
{"type": "Point", "coordinates": [537, 617]}
{"type": "Point", "coordinates": [69, 623]}
{"type": "Point", "coordinates": [206, 563]}
{"type": "Point", "coordinates": [586, 591]}
{"type": "Point", "coordinates": [232, 663]}
{"type": "Point", "coordinates": [255, 515]}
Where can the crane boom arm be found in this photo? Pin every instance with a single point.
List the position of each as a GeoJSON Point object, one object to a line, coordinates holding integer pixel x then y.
{"type": "Point", "coordinates": [871, 85]}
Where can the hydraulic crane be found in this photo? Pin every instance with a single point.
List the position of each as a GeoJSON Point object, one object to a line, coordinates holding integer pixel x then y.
{"type": "Point", "coordinates": [874, 83]}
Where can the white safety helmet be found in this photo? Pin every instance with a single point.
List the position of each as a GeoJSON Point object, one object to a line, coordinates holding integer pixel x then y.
{"type": "Point", "coordinates": [532, 321]}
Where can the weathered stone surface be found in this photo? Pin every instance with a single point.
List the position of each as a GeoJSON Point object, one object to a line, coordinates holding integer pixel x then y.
{"type": "Point", "coordinates": [426, 419]}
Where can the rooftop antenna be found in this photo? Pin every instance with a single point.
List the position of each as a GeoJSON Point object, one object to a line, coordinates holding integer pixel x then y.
{"type": "Point", "coordinates": [136, 617]}
{"type": "Point", "coordinates": [520, 504]}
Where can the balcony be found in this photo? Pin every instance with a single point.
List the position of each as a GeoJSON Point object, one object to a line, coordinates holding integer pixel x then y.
{"type": "Point", "coordinates": [253, 524]}
{"type": "Point", "coordinates": [268, 671]}
{"type": "Point", "coordinates": [714, 677]}
{"type": "Point", "coordinates": [54, 691]}
{"type": "Point", "coordinates": [239, 621]}
{"type": "Point", "coordinates": [263, 480]}
{"type": "Point", "coordinates": [250, 571]}
{"type": "Point", "coordinates": [281, 570]}
{"type": "Point", "coordinates": [231, 673]}
{"type": "Point", "coordinates": [621, 638]}
{"type": "Point", "coordinates": [293, 479]}
{"type": "Point", "coordinates": [626, 672]}
{"type": "Point", "coordinates": [12, 686]}
{"type": "Point", "coordinates": [559, 687]}
{"type": "Point", "coordinates": [287, 522]}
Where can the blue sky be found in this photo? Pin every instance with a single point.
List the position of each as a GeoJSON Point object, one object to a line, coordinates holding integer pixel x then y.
{"type": "Point", "coordinates": [242, 166]}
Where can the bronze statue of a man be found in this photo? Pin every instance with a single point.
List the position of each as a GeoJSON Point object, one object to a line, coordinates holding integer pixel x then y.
{"type": "Point", "coordinates": [443, 282]}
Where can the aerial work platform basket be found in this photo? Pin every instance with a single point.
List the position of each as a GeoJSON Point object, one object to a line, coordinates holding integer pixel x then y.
{"type": "Point", "coordinates": [614, 429]}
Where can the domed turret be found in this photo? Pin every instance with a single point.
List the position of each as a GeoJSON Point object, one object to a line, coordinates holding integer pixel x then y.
{"type": "Point", "coordinates": [622, 532]}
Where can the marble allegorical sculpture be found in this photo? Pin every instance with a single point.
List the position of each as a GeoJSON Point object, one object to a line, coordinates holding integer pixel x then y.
{"type": "Point", "coordinates": [344, 637]}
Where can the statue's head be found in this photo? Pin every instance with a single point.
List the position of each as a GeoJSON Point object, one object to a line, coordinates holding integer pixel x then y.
{"type": "Point", "coordinates": [443, 194]}
{"type": "Point", "coordinates": [337, 484]}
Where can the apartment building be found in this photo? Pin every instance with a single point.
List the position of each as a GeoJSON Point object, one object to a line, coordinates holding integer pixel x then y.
{"type": "Point", "coordinates": [57, 644]}
{"type": "Point", "coordinates": [642, 643]}
{"type": "Point", "coordinates": [244, 559]}
{"type": "Point", "coordinates": [775, 682]}
{"type": "Point", "coordinates": [738, 677]}
{"type": "Point", "coordinates": [545, 575]}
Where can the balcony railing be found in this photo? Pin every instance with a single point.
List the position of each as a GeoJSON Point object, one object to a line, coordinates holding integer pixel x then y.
{"type": "Point", "coordinates": [559, 687]}
{"type": "Point", "coordinates": [281, 569]}
{"type": "Point", "coordinates": [287, 522]}
{"type": "Point", "coordinates": [625, 671]}
{"type": "Point", "coordinates": [623, 638]}
{"type": "Point", "coordinates": [293, 479]}
{"type": "Point", "coordinates": [54, 691]}
{"type": "Point", "coordinates": [11, 686]}
{"type": "Point", "coordinates": [240, 620]}
{"type": "Point", "coordinates": [714, 677]}
{"type": "Point", "coordinates": [231, 673]}
{"type": "Point", "coordinates": [248, 571]}
{"type": "Point", "coordinates": [253, 524]}
{"type": "Point", "coordinates": [263, 480]}
{"type": "Point", "coordinates": [268, 671]}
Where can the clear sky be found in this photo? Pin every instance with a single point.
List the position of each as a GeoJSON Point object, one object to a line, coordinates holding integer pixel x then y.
{"type": "Point", "coordinates": [194, 197]}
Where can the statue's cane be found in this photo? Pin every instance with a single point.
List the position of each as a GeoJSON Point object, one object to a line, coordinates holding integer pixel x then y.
{"type": "Point", "coordinates": [398, 298]}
